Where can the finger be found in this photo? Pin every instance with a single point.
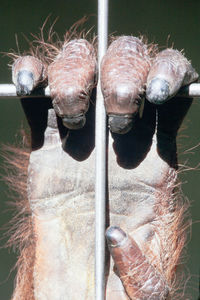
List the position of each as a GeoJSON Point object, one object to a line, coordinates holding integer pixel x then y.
{"type": "Point", "coordinates": [28, 72]}
{"type": "Point", "coordinates": [170, 71]}
{"type": "Point", "coordinates": [124, 71]}
{"type": "Point", "coordinates": [72, 76]}
{"type": "Point", "coordinates": [140, 279]}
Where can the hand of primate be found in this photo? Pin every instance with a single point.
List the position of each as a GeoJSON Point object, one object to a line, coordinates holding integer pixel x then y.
{"type": "Point", "coordinates": [146, 214]}
{"type": "Point", "coordinates": [146, 257]}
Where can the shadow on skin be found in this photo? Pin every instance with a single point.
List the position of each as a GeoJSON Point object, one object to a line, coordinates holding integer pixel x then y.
{"type": "Point", "coordinates": [77, 143]}
{"type": "Point", "coordinates": [132, 148]}
{"type": "Point", "coordinates": [36, 111]}
{"type": "Point", "coordinates": [170, 117]}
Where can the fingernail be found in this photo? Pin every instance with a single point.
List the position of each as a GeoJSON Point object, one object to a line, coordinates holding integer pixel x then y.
{"type": "Point", "coordinates": [25, 83]}
{"type": "Point", "coordinates": [120, 124]}
{"type": "Point", "coordinates": [115, 236]}
{"type": "Point", "coordinates": [75, 122]}
{"type": "Point", "coordinates": [157, 91]}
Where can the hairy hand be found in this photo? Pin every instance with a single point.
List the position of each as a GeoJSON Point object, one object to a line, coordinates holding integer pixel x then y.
{"type": "Point", "coordinates": [146, 215]}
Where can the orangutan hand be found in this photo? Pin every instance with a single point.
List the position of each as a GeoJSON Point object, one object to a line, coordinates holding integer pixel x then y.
{"type": "Point", "coordinates": [142, 168]}
{"type": "Point", "coordinates": [145, 259]}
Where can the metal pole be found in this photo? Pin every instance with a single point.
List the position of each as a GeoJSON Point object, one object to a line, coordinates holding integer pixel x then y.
{"type": "Point", "coordinates": [101, 160]}
{"type": "Point", "coordinates": [190, 91]}
{"type": "Point", "coordinates": [9, 90]}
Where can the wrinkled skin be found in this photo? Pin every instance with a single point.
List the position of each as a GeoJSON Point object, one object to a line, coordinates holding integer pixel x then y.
{"type": "Point", "coordinates": [145, 237]}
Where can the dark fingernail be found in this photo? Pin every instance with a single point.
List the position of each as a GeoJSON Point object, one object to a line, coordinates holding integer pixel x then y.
{"type": "Point", "coordinates": [115, 236]}
{"type": "Point", "coordinates": [157, 91]}
{"type": "Point", "coordinates": [120, 124]}
{"type": "Point", "coordinates": [24, 83]}
{"type": "Point", "coordinates": [74, 122]}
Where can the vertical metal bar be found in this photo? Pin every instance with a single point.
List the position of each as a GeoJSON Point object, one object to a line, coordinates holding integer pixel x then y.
{"type": "Point", "coordinates": [101, 160]}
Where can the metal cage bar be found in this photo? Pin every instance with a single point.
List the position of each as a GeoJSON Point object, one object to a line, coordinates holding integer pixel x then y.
{"type": "Point", "coordinates": [9, 90]}
{"type": "Point", "coordinates": [101, 160]}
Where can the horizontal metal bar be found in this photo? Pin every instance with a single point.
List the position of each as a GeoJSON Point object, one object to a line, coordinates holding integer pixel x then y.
{"type": "Point", "coordinates": [191, 91]}
{"type": "Point", "coordinates": [9, 90]}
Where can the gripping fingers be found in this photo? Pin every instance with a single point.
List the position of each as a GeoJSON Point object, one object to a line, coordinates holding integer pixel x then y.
{"type": "Point", "coordinates": [169, 72]}
{"type": "Point", "coordinates": [72, 76]}
{"type": "Point", "coordinates": [28, 72]}
{"type": "Point", "coordinates": [140, 279]}
{"type": "Point", "coordinates": [124, 71]}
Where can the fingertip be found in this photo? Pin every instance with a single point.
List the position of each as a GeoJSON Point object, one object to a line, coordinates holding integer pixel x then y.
{"type": "Point", "coordinates": [157, 91]}
{"type": "Point", "coordinates": [25, 83]}
{"type": "Point", "coordinates": [115, 236]}
{"type": "Point", "coordinates": [75, 122]}
{"type": "Point", "coordinates": [120, 124]}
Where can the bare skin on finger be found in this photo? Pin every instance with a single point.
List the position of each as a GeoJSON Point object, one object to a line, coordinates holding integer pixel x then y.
{"type": "Point", "coordinates": [72, 77]}
{"type": "Point", "coordinates": [169, 72]}
{"type": "Point", "coordinates": [70, 66]}
{"type": "Point", "coordinates": [28, 73]}
{"type": "Point", "coordinates": [140, 279]}
{"type": "Point", "coordinates": [124, 71]}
